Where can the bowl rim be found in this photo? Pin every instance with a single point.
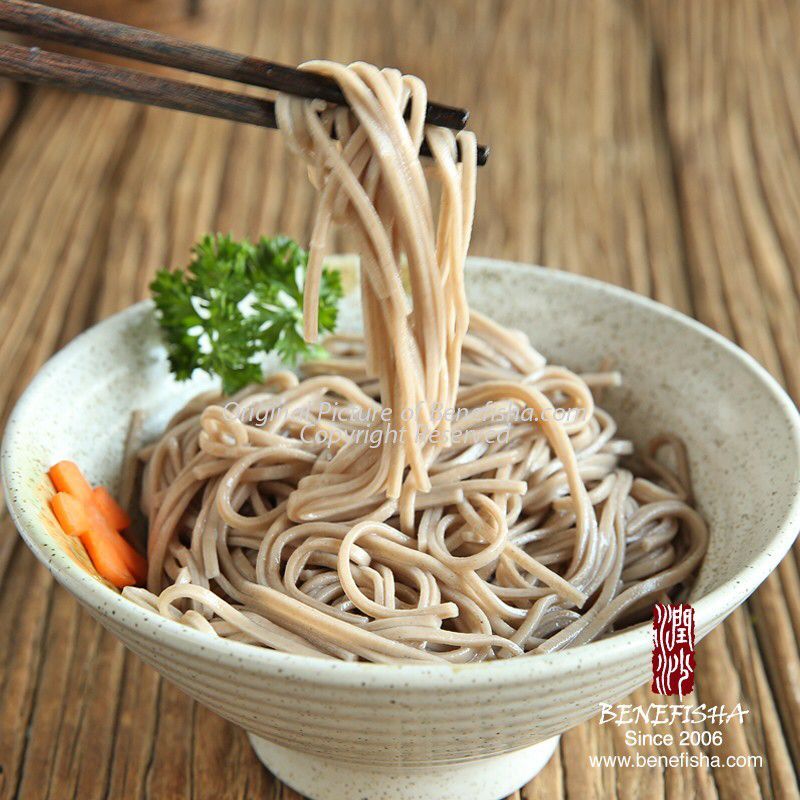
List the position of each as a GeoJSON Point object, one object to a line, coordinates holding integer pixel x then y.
{"type": "Point", "coordinates": [636, 642]}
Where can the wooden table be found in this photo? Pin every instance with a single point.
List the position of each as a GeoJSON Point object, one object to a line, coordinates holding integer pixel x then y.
{"type": "Point", "coordinates": [653, 145]}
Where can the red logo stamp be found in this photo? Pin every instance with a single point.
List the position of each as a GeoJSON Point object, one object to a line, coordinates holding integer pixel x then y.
{"type": "Point", "coordinates": [673, 649]}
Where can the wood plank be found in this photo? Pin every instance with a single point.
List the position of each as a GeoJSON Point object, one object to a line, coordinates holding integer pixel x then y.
{"type": "Point", "coordinates": [10, 98]}
{"type": "Point", "coordinates": [723, 130]}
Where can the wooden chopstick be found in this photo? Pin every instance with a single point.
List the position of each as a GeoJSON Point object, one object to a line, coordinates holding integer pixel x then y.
{"type": "Point", "coordinates": [34, 65]}
{"type": "Point", "coordinates": [115, 38]}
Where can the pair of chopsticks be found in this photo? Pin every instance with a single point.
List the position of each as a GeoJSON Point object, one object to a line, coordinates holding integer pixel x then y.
{"type": "Point", "coordinates": [34, 65]}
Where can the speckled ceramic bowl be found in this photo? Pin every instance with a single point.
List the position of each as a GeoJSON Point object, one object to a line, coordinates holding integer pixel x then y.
{"type": "Point", "coordinates": [339, 731]}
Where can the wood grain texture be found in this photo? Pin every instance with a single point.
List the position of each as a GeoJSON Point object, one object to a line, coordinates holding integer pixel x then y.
{"type": "Point", "coordinates": [655, 145]}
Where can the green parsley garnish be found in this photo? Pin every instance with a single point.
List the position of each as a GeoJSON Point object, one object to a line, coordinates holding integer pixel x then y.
{"type": "Point", "coordinates": [236, 301]}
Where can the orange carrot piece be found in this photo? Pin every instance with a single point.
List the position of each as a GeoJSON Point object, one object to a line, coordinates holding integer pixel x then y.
{"type": "Point", "coordinates": [115, 514]}
{"type": "Point", "coordinates": [67, 477]}
{"type": "Point", "coordinates": [96, 517]}
{"type": "Point", "coordinates": [105, 557]}
{"type": "Point", "coordinates": [70, 513]}
{"type": "Point", "coordinates": [135, 564]}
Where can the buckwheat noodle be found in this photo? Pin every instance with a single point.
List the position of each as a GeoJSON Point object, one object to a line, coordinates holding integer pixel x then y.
{"type": "Point", "coordinates": [503, 529]}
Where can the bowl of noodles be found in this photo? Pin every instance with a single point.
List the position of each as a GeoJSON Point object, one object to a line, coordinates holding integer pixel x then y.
{"type": "Point", "coordinates": [406, 568]}
{"type": "Point", "coordinates": [336, 728]}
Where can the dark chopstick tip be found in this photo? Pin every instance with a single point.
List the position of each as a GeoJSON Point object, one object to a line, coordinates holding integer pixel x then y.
{"type": "Point", "coordinates": [447, 116]}
{"type": "Point", "coordinates": [460, 117]}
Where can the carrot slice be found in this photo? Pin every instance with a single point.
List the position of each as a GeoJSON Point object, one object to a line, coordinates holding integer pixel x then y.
{"type": "Point", "coordinates": [96, 517]}
{"type": "Point", "coordinates": [115, 515]}
{"type": "Point", "coordinates": [117, 546]}
{"type": "Point", "coordinates": [70, 513]}
{"type": "Point", "coordinates": [133, 561]}
{"type": "Point", "coordinates": [67, 477]}
{"type": "Point", "coordinates": [105, 557]}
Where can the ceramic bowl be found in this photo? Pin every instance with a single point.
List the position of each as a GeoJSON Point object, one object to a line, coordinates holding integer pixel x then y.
{"type": "Point", "coordinates": [336, 730]}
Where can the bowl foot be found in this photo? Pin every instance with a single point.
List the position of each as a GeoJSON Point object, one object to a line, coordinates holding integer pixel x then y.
{"type": "Point", "coordinates": [320, 779]}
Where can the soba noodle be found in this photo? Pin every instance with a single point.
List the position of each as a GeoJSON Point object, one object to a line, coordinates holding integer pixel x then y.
{"type": "Point", "coordinates": [417, 496]}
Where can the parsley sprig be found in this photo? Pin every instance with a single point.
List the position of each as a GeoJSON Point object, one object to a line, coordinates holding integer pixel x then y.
{"type": "Point", "coordinates": [236, 301]}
